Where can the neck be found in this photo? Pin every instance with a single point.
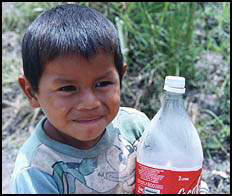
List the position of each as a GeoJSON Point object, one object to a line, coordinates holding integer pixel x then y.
{"type": "Point", "coordinates": [61, 137]}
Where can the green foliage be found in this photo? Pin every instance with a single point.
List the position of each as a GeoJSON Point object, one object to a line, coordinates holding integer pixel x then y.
{"type": "Point", "coordinates": [23, 14]}
{"type": "Point", "coordinates": [11, 67]}
{"type": "Point", "coordinates": [214, 134]}
{"type": "Point", "coordinates": [216, 20]}
{"type": "Point", "coordinates": [160, 36]}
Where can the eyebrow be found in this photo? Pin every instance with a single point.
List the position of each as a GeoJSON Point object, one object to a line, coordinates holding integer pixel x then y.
{"type": "Point", "coordinates": [108, 73]}
{"type": "Point", "coordinates": [64, 80]}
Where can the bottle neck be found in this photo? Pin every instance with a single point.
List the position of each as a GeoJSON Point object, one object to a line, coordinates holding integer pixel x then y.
{"type": "Point", "coordinates": [173, 101]}
{"type": "Point", "coordinates": [171, 95]}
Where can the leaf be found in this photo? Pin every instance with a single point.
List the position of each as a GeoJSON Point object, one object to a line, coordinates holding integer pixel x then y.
{"type": "Point", "coordinates": [213, 143]}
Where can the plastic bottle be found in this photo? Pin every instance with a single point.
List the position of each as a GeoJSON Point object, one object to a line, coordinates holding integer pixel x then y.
{"type": "Point", "coordinates": [170, 155]}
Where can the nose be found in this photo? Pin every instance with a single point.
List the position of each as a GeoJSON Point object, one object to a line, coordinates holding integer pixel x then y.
{"type": "Point", "coordinates": [88, 101]}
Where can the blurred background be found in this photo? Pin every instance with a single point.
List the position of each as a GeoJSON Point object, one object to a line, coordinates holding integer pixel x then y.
{"type": "Point", "coordinates": [158, 39]}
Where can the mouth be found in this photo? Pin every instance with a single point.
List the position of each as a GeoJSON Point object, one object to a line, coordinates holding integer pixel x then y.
{"type": "Point", "coordinates": [89, 120]}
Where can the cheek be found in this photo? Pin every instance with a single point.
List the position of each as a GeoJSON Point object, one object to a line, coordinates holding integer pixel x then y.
{"type": "Point", "coordinates": [56, 107]}
{"type": "Point", "coordinates": [60, 105]}
{"type": "Point", "coordinates": [113, 99]}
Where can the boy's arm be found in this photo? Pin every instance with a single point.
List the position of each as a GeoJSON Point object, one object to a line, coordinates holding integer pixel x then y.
{"type": "Point", "coordinates": [34, 181]}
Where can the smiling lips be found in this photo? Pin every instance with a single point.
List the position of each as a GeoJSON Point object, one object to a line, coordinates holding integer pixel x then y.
{"type": "Point", "coordinates": [88, 120]}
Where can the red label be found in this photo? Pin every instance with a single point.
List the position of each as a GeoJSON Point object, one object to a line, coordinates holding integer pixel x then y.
{"type": "Point", "coordinates": [161, 181]}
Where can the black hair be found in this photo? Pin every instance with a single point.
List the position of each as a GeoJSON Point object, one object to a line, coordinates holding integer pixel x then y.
{"type": "Point", "coordinates": [68, 29]}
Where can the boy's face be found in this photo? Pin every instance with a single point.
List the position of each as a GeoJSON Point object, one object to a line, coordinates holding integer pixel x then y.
{"type": "Point", "coordinates": [79, 97]}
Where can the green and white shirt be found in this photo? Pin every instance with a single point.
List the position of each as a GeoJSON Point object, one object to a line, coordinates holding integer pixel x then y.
{"type": "Point", "coordinates": [44, 165]}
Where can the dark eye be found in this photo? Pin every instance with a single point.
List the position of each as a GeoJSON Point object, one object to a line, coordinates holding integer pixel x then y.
{"type": "Point", "coordinates": [67, 88]}
{"type": "Point", "coordinates": [103, 84]}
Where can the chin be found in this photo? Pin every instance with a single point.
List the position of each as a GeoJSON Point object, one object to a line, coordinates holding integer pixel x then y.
{"type": "Point", "coordinates": [88, 131]}
{"type": "Point", "coordinates": [89, 135]}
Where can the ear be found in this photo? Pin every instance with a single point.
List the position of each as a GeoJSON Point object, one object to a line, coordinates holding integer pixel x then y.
{"type": "Point", "coordinates": [28, 91]}
{"type": "Point", "coordinates": [125, 67]}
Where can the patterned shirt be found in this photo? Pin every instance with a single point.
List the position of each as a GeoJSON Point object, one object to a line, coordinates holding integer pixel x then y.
{"type": "Point", "coordinates": [44, 165]}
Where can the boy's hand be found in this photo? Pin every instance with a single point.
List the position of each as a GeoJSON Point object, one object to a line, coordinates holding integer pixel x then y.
{"type": "Point", "coordinates": [203, 188]}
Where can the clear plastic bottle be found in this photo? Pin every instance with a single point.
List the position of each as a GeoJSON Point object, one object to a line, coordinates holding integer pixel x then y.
{"type": "Point", "coordinates": [170, 155]}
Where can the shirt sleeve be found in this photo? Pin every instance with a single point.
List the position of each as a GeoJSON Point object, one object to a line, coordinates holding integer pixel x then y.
{"type": "Point", "coordinates": [34, 181]}
{"type": "Point", "coordinates": [132, 123]}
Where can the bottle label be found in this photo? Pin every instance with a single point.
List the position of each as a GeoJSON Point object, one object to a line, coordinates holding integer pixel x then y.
{"type": "Point", "coordinates": [161, 181]}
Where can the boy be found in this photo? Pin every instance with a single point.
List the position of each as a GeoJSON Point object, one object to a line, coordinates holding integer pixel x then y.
{"type": "Point", "coordinates": [87, 143]}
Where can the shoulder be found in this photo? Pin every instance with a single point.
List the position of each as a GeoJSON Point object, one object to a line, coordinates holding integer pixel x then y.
{"type": "Point", "coordinates": [131, 116]}
{"type": "Point", "coordinates": [127, 113]}
{"type": "Point", "coordinates": [28, 152]}
{"type": "Point", "coordinates": [131, 123]}
{"type": "Point", "coordinates": [33, 180]}
{"type": "Point", "coordinates": [132, 111]}
{"type": "Point", "coordinates": [30, 172]}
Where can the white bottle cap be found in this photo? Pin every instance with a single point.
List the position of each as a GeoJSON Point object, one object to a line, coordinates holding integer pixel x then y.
{"type": "Point", "coordinates": [174, 84]}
